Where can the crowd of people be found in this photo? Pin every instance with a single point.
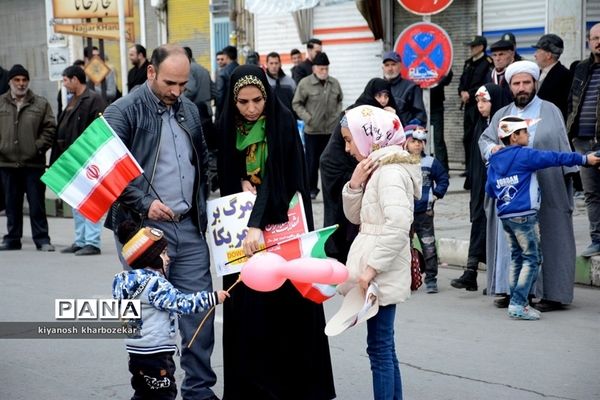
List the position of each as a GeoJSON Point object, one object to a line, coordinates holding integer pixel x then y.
{"type": "Point", "coordinates": [377, 184]}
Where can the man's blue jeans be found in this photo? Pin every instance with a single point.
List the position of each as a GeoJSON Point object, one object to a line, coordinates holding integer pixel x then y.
{"type": "Point", "coordinates": [523, 234]}
{"type": "Point", "coordinates": [387, 384]}
{"type": "Point", "coordinates": [86, 232]}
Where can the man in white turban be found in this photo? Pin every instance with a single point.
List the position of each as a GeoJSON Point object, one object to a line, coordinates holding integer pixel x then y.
{"type": "Point", "coordinates": [555, 284]}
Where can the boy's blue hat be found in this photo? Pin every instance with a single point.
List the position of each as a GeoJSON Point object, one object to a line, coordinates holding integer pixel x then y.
{"type": "Point", "coordinates": [415, 132]}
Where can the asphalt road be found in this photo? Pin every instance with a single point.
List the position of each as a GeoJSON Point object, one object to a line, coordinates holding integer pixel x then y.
{"type": "Point", "coordinates": [453, 345]}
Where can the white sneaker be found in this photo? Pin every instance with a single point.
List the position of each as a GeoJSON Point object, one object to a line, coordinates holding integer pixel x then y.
{"type": "Point", "coordinates": [523, 312]}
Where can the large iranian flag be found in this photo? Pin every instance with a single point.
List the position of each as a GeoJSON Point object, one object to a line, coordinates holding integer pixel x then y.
{"type": "Point", "coordinates": [93, 171]}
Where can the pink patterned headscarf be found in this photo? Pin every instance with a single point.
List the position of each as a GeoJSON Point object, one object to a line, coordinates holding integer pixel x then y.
{"type": "Point", "coordinates": [373, 128]}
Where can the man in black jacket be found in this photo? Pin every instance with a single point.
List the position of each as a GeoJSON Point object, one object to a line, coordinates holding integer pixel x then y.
{"type": "Point", "coordinates": [304, 69]}
{"type": "Point", "coordinates": [437, 119]}
{"type": "Point", "coordinates": [137, 74]}
{"type": "Point", "coordinates": [555, 79]}
{"type": "Point", "coordinates": [162, 130]}
{"type": "Point", "coordinates": [83, 107]}
{"type": "Point", "coordinates": [230, 60]}
{"type": "Point", "coordinates": [583, 127]}
{"type": "Point", "coordinates": [3, 80]}
{"type": "Point", "coordinates": [474, 76]}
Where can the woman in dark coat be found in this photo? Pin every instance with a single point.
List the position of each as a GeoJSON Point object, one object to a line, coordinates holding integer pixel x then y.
{"type": "Point", "coordinates": [490, 98]}
{"type": "Point", "coordinates": [337, 167]}
{"type": "Point", "coordinates": [274, 345]}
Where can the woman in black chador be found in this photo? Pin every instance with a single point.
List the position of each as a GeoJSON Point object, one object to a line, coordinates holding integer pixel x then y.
{"type": "Point", "coordinates": [274, 345]}
{"type": "Point", "coordinates": [490, 98]}
{"type": "Point", "coordinates": [337, 167]}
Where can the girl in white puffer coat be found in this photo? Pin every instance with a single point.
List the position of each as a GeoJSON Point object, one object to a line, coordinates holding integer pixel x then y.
{"type": "Point", "coordinates": [380, 198]}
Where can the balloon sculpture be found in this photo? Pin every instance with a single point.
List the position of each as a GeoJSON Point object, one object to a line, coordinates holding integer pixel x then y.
{"type": "Point", "coordinates": [266, 272]}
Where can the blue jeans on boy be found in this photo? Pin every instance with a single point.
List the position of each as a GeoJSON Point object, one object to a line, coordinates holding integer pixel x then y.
{"type": "Point", "coordinates": [523, 234]}
{"type": "Point", "coordinates": [387, 384]}
{"type": "Point", "coordinates": [86, 232]}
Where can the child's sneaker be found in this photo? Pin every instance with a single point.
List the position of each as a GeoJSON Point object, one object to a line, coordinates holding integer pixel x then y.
{"type": "Point", "coordinates": [431, 287]}
{"type": "Point", "coordinates": [523, 312]}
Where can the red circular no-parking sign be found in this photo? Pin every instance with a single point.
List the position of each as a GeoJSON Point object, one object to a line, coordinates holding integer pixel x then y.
{"type": "Point", "coordinates": [425, 7]}
{"type": "Point", "coordinates": [426, 52]}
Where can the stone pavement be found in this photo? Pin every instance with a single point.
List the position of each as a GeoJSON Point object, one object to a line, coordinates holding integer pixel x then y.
{"type": "Point", "coordinates": [453, 345]}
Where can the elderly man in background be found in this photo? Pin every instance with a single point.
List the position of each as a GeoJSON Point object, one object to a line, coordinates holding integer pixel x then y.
{"type": "Point", "coordinates": [318, 102]}
{"type": "Point", "coordinates": [407, 95]}
{"type": "Point", "coordinates": [503, 54]}
{"type": "Point", "coordinates": [555, 79]}
{"type": "Point", "coordinates": [554, 286]}
{"type": "Point", "coordinates": [27, 130]}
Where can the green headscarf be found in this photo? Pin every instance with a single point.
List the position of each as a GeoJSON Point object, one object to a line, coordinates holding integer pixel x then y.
{"type": "Point", "coordinates": [251, 137]}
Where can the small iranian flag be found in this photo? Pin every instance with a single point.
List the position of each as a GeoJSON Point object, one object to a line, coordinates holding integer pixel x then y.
{"type": "Point", "coordinates": [93, 171]}
{"type": "Point", "coordinates": [311, 244]}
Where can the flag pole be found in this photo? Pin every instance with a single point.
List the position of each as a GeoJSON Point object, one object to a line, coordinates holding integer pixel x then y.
{"type": "Point", "coordinates": [284, 242]}
{"type": "Point", "coordinates": [158, 197]}
{"type": "Point", "coordinates": [257, 251]}
{"type": "Point", "coordinates": [208, 314]}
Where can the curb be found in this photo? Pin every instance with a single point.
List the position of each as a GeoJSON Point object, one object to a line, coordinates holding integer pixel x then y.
{"type": "Point", "coordinates": [454, 252]}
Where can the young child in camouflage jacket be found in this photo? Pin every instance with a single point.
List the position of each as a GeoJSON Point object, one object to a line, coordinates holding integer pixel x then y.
{"type": "Point", "coordinates": [151, 350]}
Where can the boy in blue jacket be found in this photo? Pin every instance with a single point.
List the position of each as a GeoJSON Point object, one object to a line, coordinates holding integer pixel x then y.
{"type": "Point", "coordinates": [151, 350]}
{"type": "Point", "coordinates": [512, 180]}
{"type": "Point", "coordinates": [435, 185]}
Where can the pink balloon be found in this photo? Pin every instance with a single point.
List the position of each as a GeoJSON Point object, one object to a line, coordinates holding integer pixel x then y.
{"type": "Point", "coordinates": [340, 272]}
{"type": "Point", "coordinates": [267, 271]}
{"type": "Point", "coordinates": [261, 272]}
{"type": "Point", "coordinates": [309, 270]}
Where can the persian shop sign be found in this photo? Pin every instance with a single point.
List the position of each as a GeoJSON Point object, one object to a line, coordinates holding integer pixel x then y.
{"type": "Point", "coordinates": [90, 8]}
{"type": "Point", "coordinates": [98, 30]}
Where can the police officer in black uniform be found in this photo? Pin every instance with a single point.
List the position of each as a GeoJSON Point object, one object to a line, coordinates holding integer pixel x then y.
{"type": "Point", "coordinates": [475, 72]}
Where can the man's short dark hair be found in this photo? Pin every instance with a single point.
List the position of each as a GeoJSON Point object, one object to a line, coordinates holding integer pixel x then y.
{"type": "Point", "coordinates": [219, 53]}
{"type": "Point", "coordinates": [74, 71]}
{"type": "Point", "coordinates": [188, 51]}
{"type": "Point", "coordinates": [273, 54]}
{"type": "Point", "coordinates": [79, 63]}
{"type": "Point", "coordinates": [311, 43]}
{"type": "Point", "coordinates": [230, 52]}
{"type": "Point", "coordinates": [294, 52]}
{"type": "Point", "coordinates": [140, 49]}
{"type": "Point", "coordinates": [87, 53]}
{"type": "Point", "coordinates": [161, 53]}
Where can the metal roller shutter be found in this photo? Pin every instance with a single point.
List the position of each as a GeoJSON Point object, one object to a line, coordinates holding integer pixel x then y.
{"type": "Point", "coordinates": [525, 19]}
{"type": "Point", "coordinates": [276, 33]}
{"type": "Point", "coordinates": [592, 13]}
{"type": "Point", "coordinates": [354, 54]}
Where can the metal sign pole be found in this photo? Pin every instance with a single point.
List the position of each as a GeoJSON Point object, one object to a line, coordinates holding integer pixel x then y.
{"type": "Point", "coordinates": [427, 101]}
